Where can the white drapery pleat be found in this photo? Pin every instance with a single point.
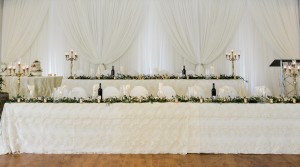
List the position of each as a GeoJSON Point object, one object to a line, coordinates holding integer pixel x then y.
{"type": "Point", "coordinates": [22, 22]}
{"type": "Point", "coordinates": [201, 30]}
{"type": "Point", "coordinates": [275, 34]}
{"type": "Point", "coordinates": [278, 22]}
{"type": "Point", "coordinates": [102, 30]}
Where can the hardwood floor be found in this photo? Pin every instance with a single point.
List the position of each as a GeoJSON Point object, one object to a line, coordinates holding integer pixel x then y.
{"type": "Point", "coordinates": [193, 160]}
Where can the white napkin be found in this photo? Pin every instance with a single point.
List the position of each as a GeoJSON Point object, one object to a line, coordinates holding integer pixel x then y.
{"type": "Point", "coordinates": [95, 90]}
{"type": "Point", "coordinates": [125, 89]}
{"type": "Point", "coordinates": [31, 90]}
{"type": "Point", "coordinates": [160, 92]}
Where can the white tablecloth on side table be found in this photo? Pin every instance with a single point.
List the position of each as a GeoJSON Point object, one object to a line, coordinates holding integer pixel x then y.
{"type": "Point", "coordinates": [151, 128]}
{"type": "Point", "coordinates": [180, 85]}
{"type": "Point", "coordinates": [43, 85]}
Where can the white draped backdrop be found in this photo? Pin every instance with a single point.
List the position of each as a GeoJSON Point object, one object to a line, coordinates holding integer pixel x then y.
{"type": "Point", "coordinates": [145, 34]}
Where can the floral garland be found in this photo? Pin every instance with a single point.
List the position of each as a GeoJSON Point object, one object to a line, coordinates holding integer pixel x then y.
{"type": "Point", "coordinates": [153, 99]}
{"type": "Point", "coordinates": [147, 77]}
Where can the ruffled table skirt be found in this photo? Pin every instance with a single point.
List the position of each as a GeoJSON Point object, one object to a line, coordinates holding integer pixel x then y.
{"type": "Point", "coordinates": [177, 128]}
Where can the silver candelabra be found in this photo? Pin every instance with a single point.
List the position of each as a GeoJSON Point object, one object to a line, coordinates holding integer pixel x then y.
{"type": "Point", "coordinates": [71, 56]}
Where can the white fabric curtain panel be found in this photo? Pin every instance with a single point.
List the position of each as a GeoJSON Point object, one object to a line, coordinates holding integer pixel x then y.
{"type": "Point", "coordinates": [102, 30]}
{"type": "Point", "coordinates": [278, 22]}
{"type": "Point", "coordinates": [200, 30]}
{"type": "Point", "coordinates": [22, 23]}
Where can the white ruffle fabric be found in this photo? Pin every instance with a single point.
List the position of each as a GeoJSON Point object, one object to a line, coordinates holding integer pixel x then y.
{"type": "Point", "coordinates": [111, 91]}
{"type": "Point", "coordinates": [179, 85]}
{"type": "Point", "coordinates": [43, 86]}
{"type": "Point", "coordinates": [145, 128]}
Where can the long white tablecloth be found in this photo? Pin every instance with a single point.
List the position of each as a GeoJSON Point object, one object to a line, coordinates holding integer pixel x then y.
{"type": "Point", "coordinates": [43, 85]}
{"type": "Point", "coordinates": [179, 85]}
{"type": "Point", "coordinates": [151, 128]}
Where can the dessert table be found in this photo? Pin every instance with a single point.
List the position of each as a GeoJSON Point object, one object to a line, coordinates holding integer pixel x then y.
{"type": "Point", "coordinates": [43, 86]}
{"type": "Point", "coordinates": [180, 85]}
{"type": "Point", "coordinates": [145, 128]}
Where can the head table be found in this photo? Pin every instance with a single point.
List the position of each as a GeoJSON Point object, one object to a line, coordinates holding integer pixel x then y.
{"type": "Point", "coordinates": [145, 128]}
{"type": "Point", "coordinates": [179, 85]}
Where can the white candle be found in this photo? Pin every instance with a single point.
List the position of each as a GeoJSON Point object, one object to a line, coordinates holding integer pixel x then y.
{"type": "Point", "coordinates": [294, 100]}
{"type": "Point", "coordinates": [81, 101]}
{"type": "Point", "coordinates": [245, 100]}
{"type": "Point", "coordinates": [271, 101]}
{"type": "Point", "coordinates": [201, 100]}
{"type": "Point", "coordinates": [45, 100]}
{"type": "Point", "coordinates": [19, 100]}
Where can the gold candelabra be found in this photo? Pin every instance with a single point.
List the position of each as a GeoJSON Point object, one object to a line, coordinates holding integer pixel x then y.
{"type": "Point", "coordinates": [19, 74]}
{"type": "Point", "coordinates": [292, 69]}
{"type": "Point", "coordinates": [72, 56]}
{"type": "Point", "coordinates": [233, 56]}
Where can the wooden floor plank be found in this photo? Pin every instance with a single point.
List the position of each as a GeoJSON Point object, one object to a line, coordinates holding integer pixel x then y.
{"type": "Point", "coordinates": [189, 160]}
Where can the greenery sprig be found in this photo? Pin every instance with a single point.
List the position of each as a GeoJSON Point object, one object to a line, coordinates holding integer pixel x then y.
{"type": "Point", "coordinates": [155, 99]}
{"type": "Point", "coordinates": [147, 77]}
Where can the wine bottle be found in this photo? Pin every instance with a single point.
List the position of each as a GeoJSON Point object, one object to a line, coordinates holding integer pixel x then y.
{"type": "Point", "coordinates": [183, 71]}
{"type": "Point", "coordinates": [213, 91]}
{"type": "Point", "coordinates": [100, 92]}
{"type": "Point", "coordinates": [112, 71]}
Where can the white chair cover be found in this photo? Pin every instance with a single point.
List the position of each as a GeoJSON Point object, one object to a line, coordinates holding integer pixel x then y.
{"type": "Point", "coordinates": [78, 92]}
{"type": "Point", "coordinates": [227, 91]}
{"type": "Point", "coordinates": [139, 91]}
{"type": "Point", "coordinates": [262, 91]}
{"type": "Point", "coordinates": [111, 91]}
